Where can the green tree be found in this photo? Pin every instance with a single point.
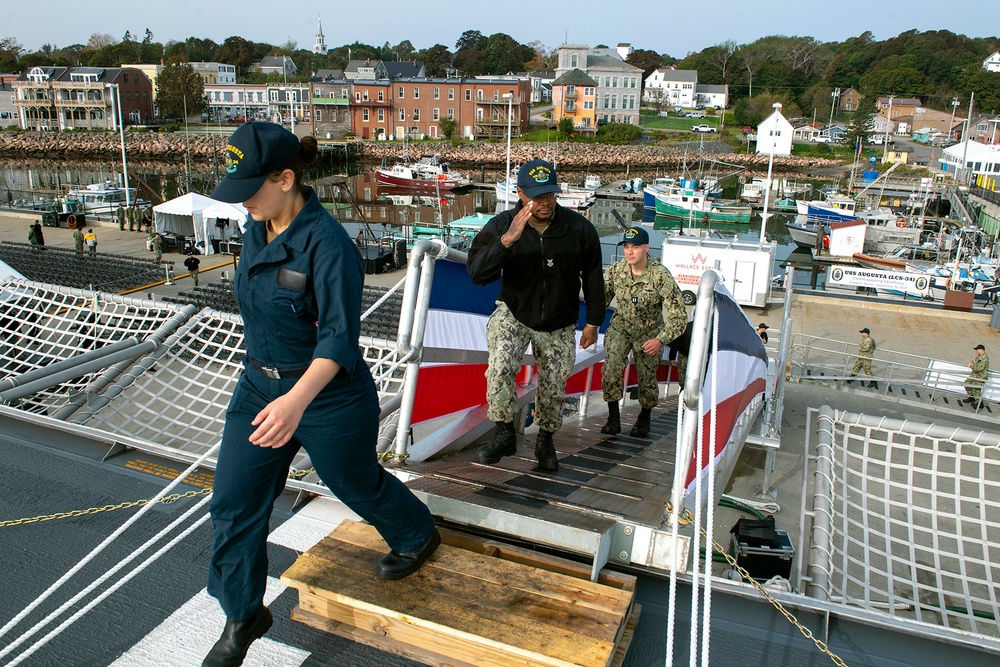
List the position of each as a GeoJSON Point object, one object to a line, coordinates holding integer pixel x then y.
{"type": "Point", "coordinates": [565, 127]}
{"type": "Point", "coordinates": [179, 85]}
{"type": "Point", "coordinates": [617, 133]}
{"type": "Point", "coordinates": [404, 51]}
{"type": "Point", "coordinates": [447, 126]}
{"type": "Point", "coordinates": [150, 51]}
{"type": "Point", "coordinates": [470, 39]}
{"type": "Point", "coordinates": [859, 130]}
{"type": "Point", "coordinates": [236, 51]}
{"type": "Point", "coordinates": [437, 60]}
{"type": "Point", "coordinates": [504, 54]}
{"type": "Point", "coordinates": [10, 51]}
{"type": "Point", "coordinates": [470, 62]}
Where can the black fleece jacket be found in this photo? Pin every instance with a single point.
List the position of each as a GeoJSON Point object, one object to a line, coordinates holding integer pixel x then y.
{"type": "Point", "coordinates": [541, 276]}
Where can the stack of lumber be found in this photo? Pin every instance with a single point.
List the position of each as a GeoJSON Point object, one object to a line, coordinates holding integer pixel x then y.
{"type": "Point", "coordinates": [474, 602]}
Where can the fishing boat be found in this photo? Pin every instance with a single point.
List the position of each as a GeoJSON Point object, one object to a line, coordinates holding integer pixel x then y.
{"type": "Point", "coordinates": [426, 173]}
{"type": "Point", "coordinates": [100, 198]}
{"type": "Point", "coordinates": [752, 192]}
{"type": "Point", "coordinates": [687, 200]}
{"type": "Point", "coordinates": [835, 208]}
{"type": "Point", "coordinates": [572, 196]}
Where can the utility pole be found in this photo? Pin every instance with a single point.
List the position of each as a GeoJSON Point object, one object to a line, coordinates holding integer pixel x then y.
{"type": "Point", "coordinates": [965, 138]}
{"type": "Point", "coordinates": [951, 125]}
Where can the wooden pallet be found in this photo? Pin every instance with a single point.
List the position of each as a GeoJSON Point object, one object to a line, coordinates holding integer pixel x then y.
{"type": "Point", "coordinates": [474, 603]}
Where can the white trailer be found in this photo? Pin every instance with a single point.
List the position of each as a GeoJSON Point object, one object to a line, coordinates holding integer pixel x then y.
{"type": "Point", "coordinates": [745, 267]}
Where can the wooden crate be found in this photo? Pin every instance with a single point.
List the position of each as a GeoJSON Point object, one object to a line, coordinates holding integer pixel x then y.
{"type": "Point", "coordinates": [474, 602]}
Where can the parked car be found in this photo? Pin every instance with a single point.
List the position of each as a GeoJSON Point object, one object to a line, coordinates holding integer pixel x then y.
{"type": "Point", "coordinates": [696, 114]}
{"type": "Point", "coordinates": [704, 128]}
{"type": "Point", "coordinates": [822, 140]}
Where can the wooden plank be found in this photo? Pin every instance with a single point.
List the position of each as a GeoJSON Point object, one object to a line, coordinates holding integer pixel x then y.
{"type": "Point", "coordinates": [515, 554]}
{"type": "Point", "coordinates": [375, 640]}
{"type": "Point", "coordinates": [464, 648]}
{"type": "Point", "coordinates": [628, 633]}
{"type": "Point", "coordinates": [474, 602]}
{"type": "Point", "coordinates": [560, 586]}
{"type": "Point", "coordinates": [441, 599]}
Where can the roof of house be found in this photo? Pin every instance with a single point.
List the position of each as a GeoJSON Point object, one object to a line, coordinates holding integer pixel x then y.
{"type": "Point", "coordinates": [575, 77]}
{"type": "Point", "coordinates": [404, 69]}
{"type": "Point", "coordinates": [104, 74]}
{"type": "Point", "coordinates": [670, 74]}
{"type": "Point", "coordinates": [329, 75]}
{"type": "Point", "coordinates": [902, 101]}
{"type": "Point", "coordinates": [276, 61]}
{"type": "Point", "coordinates": [609, 63]}
{"type": "Point", "coordinates": [711, 88]}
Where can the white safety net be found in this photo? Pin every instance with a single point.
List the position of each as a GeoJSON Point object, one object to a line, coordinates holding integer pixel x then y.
{"type": "Point", "coordinates": [43, 324]}
{"type": "Point", "coordinates": [914, 526]}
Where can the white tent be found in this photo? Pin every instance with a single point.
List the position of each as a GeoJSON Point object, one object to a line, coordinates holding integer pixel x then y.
{"type": "Point", "coordinates": [197, 215]}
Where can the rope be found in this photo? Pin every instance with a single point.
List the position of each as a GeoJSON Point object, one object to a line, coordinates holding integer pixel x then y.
{"type": "Point", "coordinates": [100, 580]}
{"type": "Point", "coordinates": [710, 518]}
{"type": "Point", "coordinates": [674, 534]}
{"type": "Point", "coordinates": [101, 547]}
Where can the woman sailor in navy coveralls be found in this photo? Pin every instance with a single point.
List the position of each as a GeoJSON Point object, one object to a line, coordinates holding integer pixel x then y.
{"type": "Point", "coordinates": [305, 384]}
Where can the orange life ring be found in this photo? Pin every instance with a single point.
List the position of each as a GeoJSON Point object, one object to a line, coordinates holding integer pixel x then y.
{"type": "Point", "coordinates": [901, 222]}
{"type": "Point", "coordinates": [71, 221]}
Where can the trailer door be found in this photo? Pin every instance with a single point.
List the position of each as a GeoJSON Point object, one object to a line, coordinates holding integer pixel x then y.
{"type": "Point", "coordinates": [743, 282]}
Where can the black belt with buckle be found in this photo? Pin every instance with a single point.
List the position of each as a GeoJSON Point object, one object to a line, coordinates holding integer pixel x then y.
{"type": "Point", "coordinates": [276, 373]}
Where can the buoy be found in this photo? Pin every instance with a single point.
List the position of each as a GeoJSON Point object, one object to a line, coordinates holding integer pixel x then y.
{"type": "Point", "coordinates": [71, 221]}
{"type": "Point", "coordinates": [826, 241]}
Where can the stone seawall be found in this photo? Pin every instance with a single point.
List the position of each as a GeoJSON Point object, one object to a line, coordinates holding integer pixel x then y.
{"type": "Point", "coordinates": [201, 148]}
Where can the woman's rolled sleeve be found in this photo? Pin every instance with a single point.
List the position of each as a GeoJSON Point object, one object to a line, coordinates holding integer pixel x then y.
{"type": "Point", "coordinates": [339, 279]}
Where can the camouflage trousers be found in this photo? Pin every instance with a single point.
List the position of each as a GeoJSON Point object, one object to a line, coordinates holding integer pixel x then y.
{"type": "Point", "coordinates": [862, 364]}
{"type": "Point", "coordinates": [974, 386]}
{"type": "Point", "coordinates": [619, 339]}
{"type": "Point", "coordinates": [507, 339]}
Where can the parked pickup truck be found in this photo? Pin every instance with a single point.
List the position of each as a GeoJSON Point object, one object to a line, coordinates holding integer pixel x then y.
{"type": "Point", "coordinates": [704, 128]}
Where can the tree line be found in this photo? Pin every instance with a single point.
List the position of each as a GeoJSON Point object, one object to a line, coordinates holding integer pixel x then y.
{"type": "Point", "coordinates": [800, 72]}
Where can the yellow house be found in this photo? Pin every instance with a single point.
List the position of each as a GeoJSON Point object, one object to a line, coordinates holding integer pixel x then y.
{"type": "Point", "coordinates": [574, 96]}
{"type": "Point", "coordinates": [896, 153]}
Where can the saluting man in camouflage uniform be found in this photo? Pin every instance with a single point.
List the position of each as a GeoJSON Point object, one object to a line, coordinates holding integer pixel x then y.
{"type": "Point", "coordinates": [866, 350]}
{"type": "Point", "coordinates": [977, 378]}
{"type": "Point", "coordinates": [650, 314]}
{"type": "Point", "coordinates": [543, 254]}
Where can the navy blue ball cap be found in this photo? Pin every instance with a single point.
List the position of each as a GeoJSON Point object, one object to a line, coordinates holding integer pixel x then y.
{"type": "Point", "coordinates": [253, 152]}
{"type": "Point", "coordinates": [979, 347]}
{"type": "Point", "coordinates": [536, 178]}
{"type": "Point", "coordinates": [865, 330]}
{"type": "Point", "coordinates": [636, 236]}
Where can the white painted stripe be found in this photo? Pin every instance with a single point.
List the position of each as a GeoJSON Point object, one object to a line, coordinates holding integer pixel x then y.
{"type": "Point", "coordinates": [311, 523]}
{"type": "Point", "coordinates": [188, 634]}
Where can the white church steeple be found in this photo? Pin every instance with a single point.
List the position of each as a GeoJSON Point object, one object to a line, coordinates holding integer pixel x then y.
{"type": "Point", "coordinates": [320, 45]}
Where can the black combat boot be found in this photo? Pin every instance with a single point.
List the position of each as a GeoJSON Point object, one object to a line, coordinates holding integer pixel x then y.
{"type": "Point", "coordinates": [504, 444]}
{"type": "Point", "coordinates": [614, 423]}
{"type": "Point", "coordinates": [873, 384]}
{"type": "Point", "coordinates": [236, 638]}
{"type": "Point", "coordinates": [641, 428]}
{"type": "Point", "coordinates": [545, 452]}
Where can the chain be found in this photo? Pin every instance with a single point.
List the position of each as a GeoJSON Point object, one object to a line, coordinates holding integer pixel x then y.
{"type": "Point", "coordinates": [97, 510]}
{"type": "Point", "coordinates": [686, 517]}
{"type": "Point", "coordinates": [806, 632]}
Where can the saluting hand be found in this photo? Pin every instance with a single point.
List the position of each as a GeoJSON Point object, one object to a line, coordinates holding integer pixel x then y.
{"type": "Point", "coordinates": [513, 233]}
{"type": "Point", "coordinates": [277, 422]}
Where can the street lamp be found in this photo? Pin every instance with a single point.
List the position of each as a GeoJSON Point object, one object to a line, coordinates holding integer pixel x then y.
{"type": "Point", "coordinates": [510, 106]}
{"type": "Point", "coordinates": [770, 164]}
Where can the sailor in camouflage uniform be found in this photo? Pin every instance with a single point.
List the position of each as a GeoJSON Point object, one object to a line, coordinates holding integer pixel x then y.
{"type": "Point", "coordinates": [866, 350]}
{"type": "Point", "coordinates": [650, 315]}
{"type": "Point", "coordinates": [977, 378]}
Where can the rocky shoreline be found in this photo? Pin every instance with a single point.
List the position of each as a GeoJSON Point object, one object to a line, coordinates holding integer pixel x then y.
{"type": "Point", "coordinates": [205, 148]}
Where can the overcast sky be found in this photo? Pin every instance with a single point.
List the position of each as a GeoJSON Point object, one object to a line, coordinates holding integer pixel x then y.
{"type": "Point", "coordinates": [664, 26]}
